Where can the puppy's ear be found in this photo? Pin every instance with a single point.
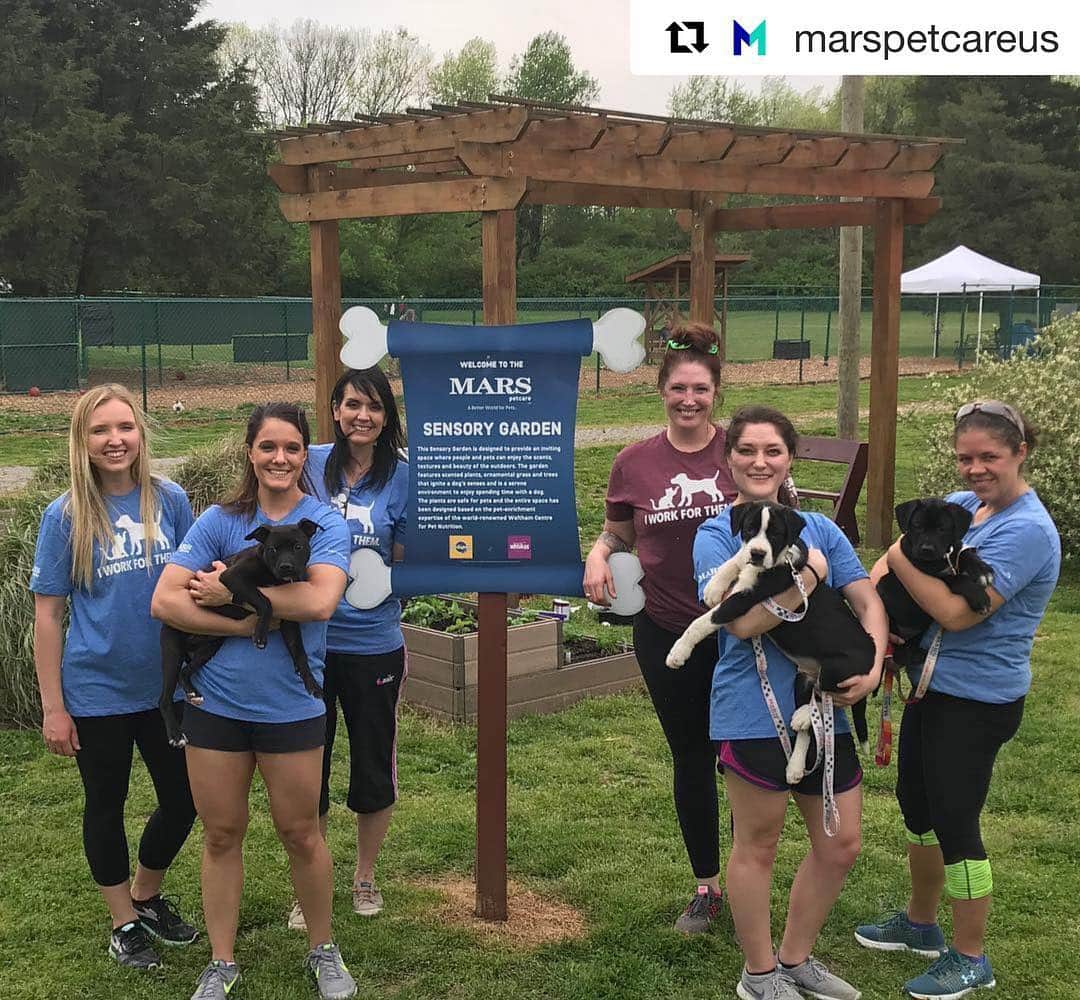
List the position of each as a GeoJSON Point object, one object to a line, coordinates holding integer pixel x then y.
{"type": "Point", "coordinates": [904, 512]}
{"type": "Point", "coordinates": [738, 515]}
{"type": "Point", "coordinates": [793, 520]}
{"type": "Point", "coordinates": [961, 519]}
{"type": "Point", "coordinates": [258, 535]}
{"type": "Point", "coordinates": [308, 527]}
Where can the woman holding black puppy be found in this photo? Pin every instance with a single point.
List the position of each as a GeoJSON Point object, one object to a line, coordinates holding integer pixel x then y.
{"type": "Point", "coordinates": [974, 702]}
{"type": "Point", "coordinates": [363, 476]}
{"type": "Point", "coordinates": [760, 447]}
{"type": "Point", "coordinates": [256, 712]}
{"type": "Point", "coordinates": [100, 551]}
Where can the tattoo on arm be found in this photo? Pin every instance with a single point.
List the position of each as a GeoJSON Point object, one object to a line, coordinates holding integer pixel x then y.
{"type": "Point", "coordinates": [613, 542]}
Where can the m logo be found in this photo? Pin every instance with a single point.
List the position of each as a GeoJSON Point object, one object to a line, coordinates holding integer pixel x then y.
{"type": "Point", "coordinates": [742, 37]}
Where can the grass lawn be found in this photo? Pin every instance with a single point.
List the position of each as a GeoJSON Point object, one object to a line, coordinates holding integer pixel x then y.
{"type": "Point", "coordinates": [590, 824]}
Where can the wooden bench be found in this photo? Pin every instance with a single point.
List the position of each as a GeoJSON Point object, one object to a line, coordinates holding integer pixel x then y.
{"type": "Point", "coordinates": [853, 454]}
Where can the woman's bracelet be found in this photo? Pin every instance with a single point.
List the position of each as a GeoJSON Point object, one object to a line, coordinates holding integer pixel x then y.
{"type": "Point", "coordinates": [613, 541]}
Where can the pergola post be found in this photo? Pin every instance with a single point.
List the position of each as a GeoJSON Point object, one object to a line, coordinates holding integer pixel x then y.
{"type": "Point", "coordinates": [884, 371]}
{"type": "Point", "coordinates": [702, 261]}
{"type": "Point", "coordinates": [500, 309]}
{"type": "Point", "coordinates": [325, 309]}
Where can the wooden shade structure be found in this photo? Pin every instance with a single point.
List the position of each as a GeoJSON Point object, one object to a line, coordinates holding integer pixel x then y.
{"type": "Point", "coordinates": [664, 283]}
{"type": "Point", "coordinates": [492, 157]}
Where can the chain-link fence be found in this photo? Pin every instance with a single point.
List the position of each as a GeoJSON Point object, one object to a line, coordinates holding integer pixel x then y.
{"type": "Point", "coordinates": [213, 351]}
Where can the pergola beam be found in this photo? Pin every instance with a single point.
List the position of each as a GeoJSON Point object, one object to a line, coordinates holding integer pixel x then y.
{"type": "Point", "coordinates": [598, 167]}
{"type": "Point", "coordinates": [563, 193]}
{"type": "Point", "coordinates": [814, 216]}
{"type": "Point", "coordinates": [459, 194]}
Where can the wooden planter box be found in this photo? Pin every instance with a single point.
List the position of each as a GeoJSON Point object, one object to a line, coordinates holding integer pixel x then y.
{"type": "Point", "coordinates": [442, 672]}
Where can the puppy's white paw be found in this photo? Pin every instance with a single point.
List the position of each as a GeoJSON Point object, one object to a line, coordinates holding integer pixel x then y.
{"type": "Point", "coordinates": [679, 654]}
{"type": "Point", "coordinates": [801, 719]}
{"type": "Point", "coordinates": [795, 772]}
{"type": "Point", "coordinates": [714, 591]}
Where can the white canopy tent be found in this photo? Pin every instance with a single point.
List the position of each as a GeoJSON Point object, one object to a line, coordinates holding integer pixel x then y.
{"type": "Point", "coordinates": [964, 270]}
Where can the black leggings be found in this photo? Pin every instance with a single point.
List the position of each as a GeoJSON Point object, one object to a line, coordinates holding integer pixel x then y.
{"type": "Point", "coordinates": [681, 699]}
{"type": "Point", "coordinates": [105, 765]}
{"type": "Point", "coordinates": [947, 750]}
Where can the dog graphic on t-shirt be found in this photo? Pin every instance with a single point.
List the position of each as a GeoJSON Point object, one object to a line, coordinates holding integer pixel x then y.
{"type": "Point", "coordinates": [132, 534]}
{"type": "Point", "coordinates": [686, 488]}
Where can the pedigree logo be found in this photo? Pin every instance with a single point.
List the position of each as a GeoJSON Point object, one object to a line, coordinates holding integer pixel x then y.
{"type": "Point", "coordinates": [742, 37]}
{"type": "Point", "coordinates": [461, 546]}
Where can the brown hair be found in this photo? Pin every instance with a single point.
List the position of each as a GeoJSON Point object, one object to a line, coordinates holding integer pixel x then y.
{"type": "Point", "coordinates": [85, 505]}
{"type": "Point", "coordinates": [244, 498]}
{"type": "Point", "coordinates": [747, 415]}
{"type": "Point", "coordinates": [699, 339]}
{"type": "Point", "coordinates": [999, 427]}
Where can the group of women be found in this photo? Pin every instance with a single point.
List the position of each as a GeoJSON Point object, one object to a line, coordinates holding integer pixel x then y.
{"type": "Point", "coordinates": [121, 548]}
{"type": "Point", "coordinates": [714, 711]}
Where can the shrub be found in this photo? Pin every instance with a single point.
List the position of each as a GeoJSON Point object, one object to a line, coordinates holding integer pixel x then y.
{"type": "Point", "coordinates": [209, 471]}
{"type": "Point", "coordinates": [1042, 383]}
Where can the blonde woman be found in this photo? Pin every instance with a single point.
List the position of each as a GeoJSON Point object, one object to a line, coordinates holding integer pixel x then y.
{"type": "Point", "coordinates": [100, 550]}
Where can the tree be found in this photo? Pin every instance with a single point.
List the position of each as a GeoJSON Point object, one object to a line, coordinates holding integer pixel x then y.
{"type": "Point", "coordinates": [127, 153]}
{"type": "Point", "coordinates": [776, 104]}
{"type": "Point", "coordinates": [470, 75]}
{"type": "Point", "coordinates": [392, 72]}
{"type": "Point", "coordinates": [545, 71]}
{"type": "Point", "coordinates": [304, 73]}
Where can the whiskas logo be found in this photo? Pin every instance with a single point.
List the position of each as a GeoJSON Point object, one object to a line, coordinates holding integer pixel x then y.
{"type": "Point", "coordinates": [520, 386]}
{"type": "Point", "coordinates": [743, 37]}
{"type": "Point", "coordinates": [519, 546]}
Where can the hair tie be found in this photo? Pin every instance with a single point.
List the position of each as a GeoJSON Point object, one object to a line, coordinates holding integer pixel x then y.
{"type": "Point", "coordinates": [673, 345]}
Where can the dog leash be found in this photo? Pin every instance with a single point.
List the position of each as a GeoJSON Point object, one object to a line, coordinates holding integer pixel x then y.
{"type": "Point", "coordinates": [883, 753]}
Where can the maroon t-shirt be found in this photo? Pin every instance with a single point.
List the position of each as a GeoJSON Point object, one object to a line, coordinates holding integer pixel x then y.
{"type": "Point", "coordinates": [667, 493]}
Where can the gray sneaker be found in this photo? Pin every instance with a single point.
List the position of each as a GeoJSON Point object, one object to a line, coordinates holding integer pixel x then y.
{"type": "Point", "coordinates": [331, 976]}
{"type": "Point", "coordinates": [703, 909]}
{"type": "Point", "coordinates": [367, 901]}
{"type": "Point", "coordinates": [812, 979]}
{"type": "Point", "coordinates": [217, 981]}
{"type": "Point", "coordinates": [769, 986]}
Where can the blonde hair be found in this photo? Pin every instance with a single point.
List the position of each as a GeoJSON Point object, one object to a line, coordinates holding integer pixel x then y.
{"type": "Point", "coordinates": [85, 504]}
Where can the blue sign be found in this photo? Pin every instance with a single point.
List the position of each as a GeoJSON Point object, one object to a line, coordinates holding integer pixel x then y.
{"type": "Point", "coordinates": [491, 417]}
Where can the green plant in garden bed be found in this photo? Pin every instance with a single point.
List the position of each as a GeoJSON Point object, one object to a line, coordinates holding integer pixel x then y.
{"type": "Point", "coordinates": [447, 614]}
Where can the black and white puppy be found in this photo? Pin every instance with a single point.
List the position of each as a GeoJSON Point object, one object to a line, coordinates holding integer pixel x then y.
{"type": "Point", "coordinates": [280, 556]}
{"type": "Point", "coordinates": [828, 645]}
{"type": "Point", "coordinates": [933, 539]}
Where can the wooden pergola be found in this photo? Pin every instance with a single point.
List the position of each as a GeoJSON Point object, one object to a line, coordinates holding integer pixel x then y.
{"type": "Point", "coordinates": [664, 283]}
{"type": "Point", "coordinates": [492, 157]}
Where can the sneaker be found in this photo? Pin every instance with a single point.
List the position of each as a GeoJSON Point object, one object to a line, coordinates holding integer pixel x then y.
{"type": "Point", "coordinates": [768, 986]}
{"type": "Point", "coordinates": [702, 910]}
{"type": "Point", "coordinates": [952, 976]}
{"type": "Point", "coordinates": [331, 976]}
{"type": "Point", "coordinates": [131, 946]}
{"type": "Point", "coordinates": [366, 899]}
{"type": "Point", "coordinates": [216, 981]}
{"type": "Point", "coordinates": [162, 919]}
{"type": "Point", "coordinates": [296, 917]}
{"type": "Point", "coordinates": [812, 979]}
{"type": "Point", "coordinates": [895, 932]}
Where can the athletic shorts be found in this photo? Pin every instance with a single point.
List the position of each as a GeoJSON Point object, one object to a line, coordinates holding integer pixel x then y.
{"type": "Point", "coordinates": [216, 732]}
{"type": "Point", "coordinates": [762, 763]}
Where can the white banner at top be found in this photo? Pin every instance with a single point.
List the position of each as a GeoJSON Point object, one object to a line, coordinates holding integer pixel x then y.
{"type": "Point", "coordinates": [845, 37]}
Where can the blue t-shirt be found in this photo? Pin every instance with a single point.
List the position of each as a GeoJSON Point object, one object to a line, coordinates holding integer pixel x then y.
{"type": "Point", "coordinates": [240, 681]}
{"type": "Point", "coordinates": [738, 710]}
{"type": "Point", "coordinates": [112, 652]}
{"type": "Point", "coordinates": [991, 661]}
{"type": "Point", "coordinates": [376, 520]}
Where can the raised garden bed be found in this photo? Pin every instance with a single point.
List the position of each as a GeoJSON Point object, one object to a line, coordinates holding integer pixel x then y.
{"type": "Point", "coordinates": [541, 678]}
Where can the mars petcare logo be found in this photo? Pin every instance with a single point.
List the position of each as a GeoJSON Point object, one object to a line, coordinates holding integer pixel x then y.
{"type": "Point", "coordinates": [502, 386]}
{"type": "Point", "coordinates": [742, 38]}
{"type": "Point", "coordinates": [519, 546]}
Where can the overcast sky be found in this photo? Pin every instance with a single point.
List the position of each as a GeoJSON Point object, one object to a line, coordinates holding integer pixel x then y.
{"type": "Point", "coordinates": [597, 30]}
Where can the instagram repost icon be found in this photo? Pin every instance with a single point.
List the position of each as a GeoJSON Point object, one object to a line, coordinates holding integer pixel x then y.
{"type": "Point", "coordinates": [742, 37]}
{"type": "Point", "coordinates": [461, 547]}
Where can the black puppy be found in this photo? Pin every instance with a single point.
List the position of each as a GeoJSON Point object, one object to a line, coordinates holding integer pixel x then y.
{"type": "Point", "coordinates": [933, 540]}
{"type": "Point", "coordinates": [280, 556]}
{"type": "Point", "coordinates": [828, 645]}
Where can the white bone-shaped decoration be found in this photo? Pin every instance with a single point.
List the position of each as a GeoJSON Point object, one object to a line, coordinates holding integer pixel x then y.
{"type": "Point", "coordinates": [369, 578]}
{"type": "Point", "coordinates": [365, 338]}
{"type": "Point", "coordinates": [615, 336]}
{"type": "Point", "coordinates": [626, 571]}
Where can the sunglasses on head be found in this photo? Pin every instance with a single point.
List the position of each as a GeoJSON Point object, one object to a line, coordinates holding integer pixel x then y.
{"type": "Point", "coordinates": [995, 409]}
{"type": "Point", "coordinates": [674, 345]}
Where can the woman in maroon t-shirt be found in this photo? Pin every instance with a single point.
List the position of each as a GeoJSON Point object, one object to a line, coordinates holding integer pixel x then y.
{"type": "Point", "coordinates": [660, 490]}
